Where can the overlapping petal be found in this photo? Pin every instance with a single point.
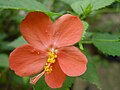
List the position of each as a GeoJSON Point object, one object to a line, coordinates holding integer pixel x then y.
{"type": "Point", "coordinates": [56, 78]}
{"type": "Point", "coordinates": [26, 60]}
{"type": "Point", "coordinates": [72, 61]}
{"type": "Point", "coordinates": [67, 30]}
{"type": "Point", "coordinates": [35, 28]}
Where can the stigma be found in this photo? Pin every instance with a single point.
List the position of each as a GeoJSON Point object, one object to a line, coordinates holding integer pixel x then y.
{"type": "Point", "coordinates": [52, 56]}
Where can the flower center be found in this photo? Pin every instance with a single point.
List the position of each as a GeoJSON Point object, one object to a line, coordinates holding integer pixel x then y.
{"type": "Point", "coordinates": [52, 56]}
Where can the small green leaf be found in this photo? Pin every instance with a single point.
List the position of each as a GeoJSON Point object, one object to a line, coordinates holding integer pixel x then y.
{"type": "Point", "coordinates": [18, 42]}
{"type": "Point", "coordinates": [81, 46]}
{"type": "Point", "coordinates": [4, 60]}
{"type": "Point", "coordinates": [86, 25]}
{"type": "Point", "coordinates": [107, 43]}
{"type": "Point", "coordinates": [41, 84]}
{"type": "Point", "coordinates": [29, 5]}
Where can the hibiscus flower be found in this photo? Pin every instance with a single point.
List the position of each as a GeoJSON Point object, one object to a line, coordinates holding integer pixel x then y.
{"type": "Point", "coordinates": [49, 51]}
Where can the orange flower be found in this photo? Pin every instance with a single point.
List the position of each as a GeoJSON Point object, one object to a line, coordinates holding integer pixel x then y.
{"type": "Point", "coordinates": [49, 50]}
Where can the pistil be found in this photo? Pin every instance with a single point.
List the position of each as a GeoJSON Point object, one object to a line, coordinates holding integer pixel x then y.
{"type": "Point", "coordinates": [52, 56]}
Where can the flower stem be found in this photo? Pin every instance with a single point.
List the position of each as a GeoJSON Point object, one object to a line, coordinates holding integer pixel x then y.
{"type": "Point", "coordinates": [86, 42]}
{"type": "Point", "coordinates": [99, 40]}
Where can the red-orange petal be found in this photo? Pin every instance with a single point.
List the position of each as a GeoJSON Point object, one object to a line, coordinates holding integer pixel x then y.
{"type": "Point", "coordinates": [67, 30]}
{"type": "Point", "coordinates": [35, 28]}
{"type": "Point", "coordinates": [72, 61]}
{"type": "Point", "coordinates": [26, 60]}
{"type": "Point", "coordinates": [56, 78]}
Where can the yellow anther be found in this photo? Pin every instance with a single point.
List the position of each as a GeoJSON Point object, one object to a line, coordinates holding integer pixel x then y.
{"type": "Point", "coordinates": [51, 54]}
{"type": "Point", "coordinates": [51, 59]}
{"type": "Point", "coordinates": [55, 56]}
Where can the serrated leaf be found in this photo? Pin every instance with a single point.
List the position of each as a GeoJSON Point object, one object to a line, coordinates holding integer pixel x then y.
{"type": "Point", "coordinates": [91, 74]}
{"type": "Point", "coordinates": [81, 5]}
{"type": "Point", "coordinates": [86, 25]}
{"type": "Point", "coordinates": [18, 42]}
{"type": "Point", "coordinates": [97, 4]}
{"type": "Point", "coordinates": [41, 84]}
{"type": "Point", "coordinates": [4, 60]}
{"type": "Point", "coordinates": [29, 5]}
{"type": "Point", "coordinates": [107, 43]}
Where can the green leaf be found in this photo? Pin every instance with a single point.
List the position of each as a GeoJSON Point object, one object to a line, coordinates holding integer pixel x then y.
{"type": "Point", "coordinates": [81, 46]}
{"type": "Point", "coordinates": [23, 4]}
{"type": "Point", "coordinates": [41, 84]}
{"type": "Point", "coordinates": [18, 42]}
{"type": "Point", "coordinates": [26, 80]}
{"type": "Point", "coordinates": [81, 6]}
{"type": "Point", "coordinates": [4, 60]}
{"type": "Point", "coordinates": [107, 43]}
{"type": "Point", "coordinates": [86, 25]}
{"type": "Point", "coordinates": [69, 2]}
{"type": "Point", "coordinates": [97, 4]}
{"type": "Point", "coordinates": [29, 5]}
{"type": "Point", "coordinates": [67, 84]}
{"type": "Point", "coordinates": [91, 74]}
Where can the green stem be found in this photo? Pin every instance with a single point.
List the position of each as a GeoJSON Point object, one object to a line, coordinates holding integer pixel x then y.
{"type": "Point", "coordinates": [98, 40]}
{"type": "Point", "coordinates": [86, 42]}
{"type": "Point", "coordinates": [104, 40]}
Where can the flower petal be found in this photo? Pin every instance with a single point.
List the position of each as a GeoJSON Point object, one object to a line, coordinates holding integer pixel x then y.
{"type": "Point", "coordinates": [26, 60]}
{"type": "Point", "coordinates": [72, 61]}
{"type": "Point", "coordinates": [35, 28]}
{"type": "Point", "coordinates": [56, 78]}
{"type": "Point", "coordinates": [67, 30]}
